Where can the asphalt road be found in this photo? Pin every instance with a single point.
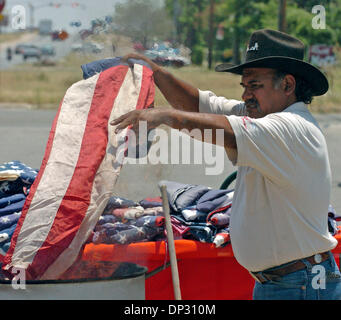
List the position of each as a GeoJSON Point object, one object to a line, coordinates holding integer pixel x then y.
{"type": "Point", "coordinates": [24, 134]}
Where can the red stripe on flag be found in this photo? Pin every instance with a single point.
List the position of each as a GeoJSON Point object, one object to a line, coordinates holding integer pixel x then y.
{"type": "Point", "coordinates": [33, 188]}
{"type": "Point", "coordinates": [77, 198]}
{"type": "Point", "coordinates": [147, 92]}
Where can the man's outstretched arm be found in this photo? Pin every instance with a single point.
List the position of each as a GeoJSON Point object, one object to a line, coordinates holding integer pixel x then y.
{"type": "Point", "coordinates": [179, 94]}
{"type": "Point", "coordinates": [180, 120]}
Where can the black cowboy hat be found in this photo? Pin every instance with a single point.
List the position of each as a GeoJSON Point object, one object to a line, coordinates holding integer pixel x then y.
{"type": "Point", "coordinates": [278, 50]}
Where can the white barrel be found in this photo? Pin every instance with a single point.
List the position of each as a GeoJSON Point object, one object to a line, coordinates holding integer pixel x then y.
{"type": "Point", "coordinates": [122, 287]}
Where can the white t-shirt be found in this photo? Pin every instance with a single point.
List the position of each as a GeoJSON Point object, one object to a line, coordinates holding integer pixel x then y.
{"type": "Point", "coordinates": [283, 185]}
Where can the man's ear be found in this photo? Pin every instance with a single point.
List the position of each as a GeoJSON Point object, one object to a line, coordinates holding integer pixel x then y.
{"type": "Point", "coordinates": [289, 84]}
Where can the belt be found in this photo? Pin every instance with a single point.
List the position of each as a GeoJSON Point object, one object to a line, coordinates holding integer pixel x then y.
{"type": "Point", "coordinates": [266, 275]}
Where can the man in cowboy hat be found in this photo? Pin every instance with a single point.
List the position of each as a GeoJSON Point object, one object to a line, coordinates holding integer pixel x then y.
{"type": "Point", "coordinates": [278, 224]}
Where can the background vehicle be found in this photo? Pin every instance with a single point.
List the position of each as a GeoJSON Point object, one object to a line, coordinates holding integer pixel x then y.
{"type": "Point", "coordinates": [92, 47]}
{"type": "Point", "coordinates": [87, 47]}
{"type": "Point", "coordinates": [20, 47]}
{"type": "Point", "coordinates": [31, 52]}
{"type": "Point", "coordinates": [48, 50]}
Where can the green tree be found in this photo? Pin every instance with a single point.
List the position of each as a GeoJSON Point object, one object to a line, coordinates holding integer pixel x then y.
{"type": "Point", "coordinates": [241, 17]}
{"type": "Point", "coordinates": [190, 24]}
{"type": "Point", "coordinates": [143, 21]}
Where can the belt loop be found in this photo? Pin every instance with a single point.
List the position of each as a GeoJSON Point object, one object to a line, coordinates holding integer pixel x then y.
{"type": "Point", "coordinates": [307, 264]}
{"type": "Point", "coordinates": [331, 257]}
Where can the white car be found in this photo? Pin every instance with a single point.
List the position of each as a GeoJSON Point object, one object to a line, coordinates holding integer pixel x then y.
{"type": "Point", "coordinates": [76, 47]}
{"type": "Point", "coordinates": [87, 47]}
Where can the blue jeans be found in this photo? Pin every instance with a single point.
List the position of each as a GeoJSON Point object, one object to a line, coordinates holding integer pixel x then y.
{"type": "Point", "coordinates": [318, 282]}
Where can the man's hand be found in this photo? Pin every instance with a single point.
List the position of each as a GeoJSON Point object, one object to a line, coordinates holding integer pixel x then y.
{"type": "Point", "coordinates": [153, 118]}
{"type": "Point", "coordinates": [179, 94]}
{"type": "Point", "coordinates": [137, 56]}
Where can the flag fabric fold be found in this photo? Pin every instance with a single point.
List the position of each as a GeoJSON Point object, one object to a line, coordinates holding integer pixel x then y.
{"type": "Point", "coordinates": [82, 162]}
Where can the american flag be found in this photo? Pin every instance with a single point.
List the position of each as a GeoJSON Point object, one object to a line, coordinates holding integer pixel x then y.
{"type": "Point", "coordinates": [78, 172]}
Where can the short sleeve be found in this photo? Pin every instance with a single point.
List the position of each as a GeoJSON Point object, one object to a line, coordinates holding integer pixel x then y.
{"type": "Point", "coordinates": [210, 103]}
{"type": "Point", "coordinates": [266, 145]}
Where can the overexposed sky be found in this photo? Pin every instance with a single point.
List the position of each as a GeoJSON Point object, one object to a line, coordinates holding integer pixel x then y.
{"type": "Point", "coordinates": [63, 15]}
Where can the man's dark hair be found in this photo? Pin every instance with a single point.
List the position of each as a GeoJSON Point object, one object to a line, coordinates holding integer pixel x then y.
{"type": "Point", "coordinates": [303, 90]}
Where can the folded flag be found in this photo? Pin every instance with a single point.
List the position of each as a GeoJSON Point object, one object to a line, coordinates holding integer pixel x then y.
{"type": "Point", "coordinates": [150, 221]}
{"type": "Point", "coordinates": [118, 203]}
{"type": "Point", "coordinates": [214, 199]}
{"type": "Point", "coordinates": [125, 233]}
{"type": "Point", "coordinates": [6, 201]}
{"type": "Point", "coordinates": [4, 248]}
{"type": "Point", "coordinates": [202, 233]}
{"type": "Point", "coordinates": [98, 66]}
{"type": "Point", "coordinates": [7, 234]}
{"type": "Point", "coordinates": [82, 162]}
{"type": "Point", "coordinates": [181, 195]}
{"type": "Point", "coordinates": [14, 177]}
{"type": "Point", "coordinates": [192, 214]}
{"type": "Point", "coordinates": [220, 219]}
{"type": "Point", "coordinates": [151, 202]}
{"type": "Point", "coordinates": [9, 220]}
{"type": "Point", "coordinates": [180, 230]}
{"type": "Point", "coordinates": [106, 219]}
{"type": "Point", "coordinates": [14, 207]}
{"type": "Point", "coordinates": [222, 238]}
{"type": "Point", "coordinates": [19, 170]}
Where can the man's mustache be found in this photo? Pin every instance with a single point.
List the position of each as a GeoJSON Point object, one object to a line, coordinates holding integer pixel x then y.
{"type": "Point", "coordinates": [252, 103]}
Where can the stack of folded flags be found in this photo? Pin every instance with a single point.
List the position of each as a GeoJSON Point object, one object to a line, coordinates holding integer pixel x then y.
{"type": "Point", "coordinates": [197, 213]}
{"type": "Point", "coordinates": [15, 181]}
{"type": "Point", "coordinates": [125, 221]}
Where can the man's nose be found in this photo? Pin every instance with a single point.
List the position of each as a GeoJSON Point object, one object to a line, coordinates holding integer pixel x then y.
{"type": "Point", "coordinates": [247, 94]}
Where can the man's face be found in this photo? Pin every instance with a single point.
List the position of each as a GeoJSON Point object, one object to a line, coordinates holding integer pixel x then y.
{"type": "Point", "coordinates": [260, 95]}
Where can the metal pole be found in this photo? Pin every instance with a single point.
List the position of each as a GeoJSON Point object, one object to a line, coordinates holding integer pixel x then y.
{"type": "Point", "coordinates": [171, 246]}
{"type": "Point", "coordinates": [211, 36]}
{"type": "Point", "coordinates": [175, 19]}
{"type": "Point", "coordinates": [282, 16]}
{"type": "Point", "coordinates": [31, 15]}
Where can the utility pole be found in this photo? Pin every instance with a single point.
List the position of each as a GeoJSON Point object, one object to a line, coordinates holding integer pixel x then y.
{"type": "Point", "coordinates": [211, 35]}
{"type": "Point", "coordinates": [282, 16]}
{"type": "Point", "coordinates": [176, 13]}
{"type": "Point", "coordinates": [31, 7]}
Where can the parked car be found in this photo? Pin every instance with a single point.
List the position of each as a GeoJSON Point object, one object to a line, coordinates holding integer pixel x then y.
{"type": "Point", "coordinates": [87, 47]}
{"type": "Point", "coordinates": [85, 33]}
{"type": "Point", "coordinates": [20, 47]}
{"type": "Point", "coordinates": [31, 52]}
{"type": "Point", "coordinates": [48, 50]}
{"type": "Point", "coordinates": [77, 47]}
{"type": "Point", "coordinates": [92, 47]}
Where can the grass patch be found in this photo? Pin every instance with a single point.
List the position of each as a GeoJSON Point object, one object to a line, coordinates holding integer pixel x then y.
{"type": "Point", "coordinates": [6, 37]}
{"type": "Point", "coordinates": [39, 85]}
{"type": "Point", "coordinates": [45, 86]}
